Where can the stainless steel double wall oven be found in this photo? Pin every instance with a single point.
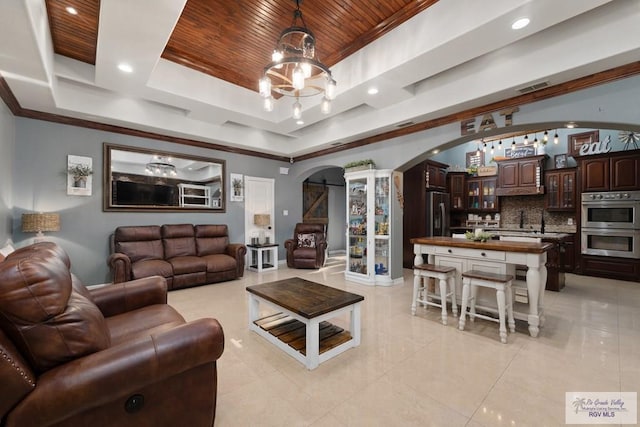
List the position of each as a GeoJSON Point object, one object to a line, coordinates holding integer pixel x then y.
{"type": "Point", "coordinates": [611, 224]}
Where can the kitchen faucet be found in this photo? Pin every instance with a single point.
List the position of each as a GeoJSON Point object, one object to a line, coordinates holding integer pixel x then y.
{"type": "Point", "coordinates": [521, 219]}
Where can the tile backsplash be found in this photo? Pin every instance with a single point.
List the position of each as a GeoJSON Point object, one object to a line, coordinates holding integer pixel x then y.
{"type": "Point", "coordinates": [532, 208]}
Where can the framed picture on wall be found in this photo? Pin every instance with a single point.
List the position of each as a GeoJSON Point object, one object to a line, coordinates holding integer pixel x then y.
{"type": "Point", "coordinates": [560, 161]}
{"type": "Point", "coordinates": [79, 172]}
{"type": "Point", "coordinates": [577, 140]}
{"type": "Point", "coordinates": [475, 158]}
{"type": "Point", "coordinates": [236, 182]}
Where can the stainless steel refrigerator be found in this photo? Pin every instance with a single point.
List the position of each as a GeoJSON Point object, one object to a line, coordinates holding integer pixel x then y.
{"type": "Point", "coordinates": [437, 217]}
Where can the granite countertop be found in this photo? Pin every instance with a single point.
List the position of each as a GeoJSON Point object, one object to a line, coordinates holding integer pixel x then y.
{"type": "Point", "coordinates": [567, 229]}
{"type": "Point", "coordinates": [551, 232]}
{"type": "Point", "coordinates": [523, 233]}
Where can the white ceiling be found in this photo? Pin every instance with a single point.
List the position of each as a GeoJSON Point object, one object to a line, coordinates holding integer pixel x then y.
{"type": "Point", "coordinates": [455, 55]}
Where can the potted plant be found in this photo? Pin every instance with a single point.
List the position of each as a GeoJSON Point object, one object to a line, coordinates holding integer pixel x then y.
{"type": "Point", "coordinates": [80, 172]}
{"type": "Point", "coordinates": [360, 165]}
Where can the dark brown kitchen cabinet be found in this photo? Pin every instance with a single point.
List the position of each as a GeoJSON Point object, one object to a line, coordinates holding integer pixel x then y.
{"type": "Point", "coordinates": [567, 247]}
{"type": "Point", "coordinates": [456, 187]}
{"type": "Point", "coordinates": [594, 174]}
{"type": "Point", "coordinates": [560, 260]}
{"type": "Point", "coordinates": [520, 176]}
{"type": "Point", "coordinates": [555, 266]}
{"type": "Point", "coordinates": [481, 194]}
{"type": "Point", "coordinates": [610, 267]}
{"type": "Point", "coordinates": [560, 187]}
{"type": "Point", "coordinates": [435, 176]}
{"type": "Point", "coordinates": [415, 187]}
{"type": "Point", "coordinates": [618, 171]}
{"type": "Point", "coordinates": [625, 173]}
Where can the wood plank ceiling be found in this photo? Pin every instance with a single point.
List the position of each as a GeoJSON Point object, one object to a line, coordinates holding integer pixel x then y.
{"type": "Point", "coordinates": [233, 40]}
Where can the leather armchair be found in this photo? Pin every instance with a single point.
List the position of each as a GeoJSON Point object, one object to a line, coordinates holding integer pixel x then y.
{"type": "Point", "coordinates": [113, 355]}
{"type": "Point", "coordinates": [308, 247]}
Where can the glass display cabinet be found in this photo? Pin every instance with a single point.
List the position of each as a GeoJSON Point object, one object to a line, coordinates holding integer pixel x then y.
{"type": "Point", "coordinates": [481, 195]}
{"type": "Point", "coordinates": [369, 228]}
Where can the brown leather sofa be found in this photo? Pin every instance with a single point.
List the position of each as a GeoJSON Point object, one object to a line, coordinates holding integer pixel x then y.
{"type": "Point", "coordinates": [308, 246]}
{"type": "Point", "coordinates": [115, 355]}
{"type": "Point", "coordinates": [184, 254]}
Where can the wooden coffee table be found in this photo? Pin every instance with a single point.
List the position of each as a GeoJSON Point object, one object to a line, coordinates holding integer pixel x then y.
{"type": "Point", "coordinates": [300, 327]}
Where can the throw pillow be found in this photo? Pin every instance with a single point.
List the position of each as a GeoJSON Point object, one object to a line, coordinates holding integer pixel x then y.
{"type": "Point", "coordinates": [306, 240]}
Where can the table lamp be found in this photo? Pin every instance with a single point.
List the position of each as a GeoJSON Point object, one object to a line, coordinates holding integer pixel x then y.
{"type": "Point", "coordinates": [262, 221]}
{"type": "Point", "coordinates": [39, 222]}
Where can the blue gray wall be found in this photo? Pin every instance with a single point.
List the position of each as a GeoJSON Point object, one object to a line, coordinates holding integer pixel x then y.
{"type": "Point", "coordinates": [39, 184]}
{"type": "Point", "coordinates": [39, 151]}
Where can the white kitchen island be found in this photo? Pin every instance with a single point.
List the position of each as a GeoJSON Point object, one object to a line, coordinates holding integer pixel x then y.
{"type": "Point", "coordinates": [494, 256]}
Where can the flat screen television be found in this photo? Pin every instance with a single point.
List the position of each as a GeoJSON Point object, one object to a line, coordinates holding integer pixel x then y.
{"type": "Point", "coordinates": [139, 194]}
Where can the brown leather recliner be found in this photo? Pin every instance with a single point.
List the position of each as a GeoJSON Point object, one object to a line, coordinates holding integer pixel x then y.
{"type": "Point", "coordinates": [308, 246]}
{"type": "Point", "coordinates": [115, 355]}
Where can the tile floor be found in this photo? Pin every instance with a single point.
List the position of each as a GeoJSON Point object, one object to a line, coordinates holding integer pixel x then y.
{"type": "Point", "coordinates": [415, 371]}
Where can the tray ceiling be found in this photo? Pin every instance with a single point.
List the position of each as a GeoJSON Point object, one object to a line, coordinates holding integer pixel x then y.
{"type": "Point", "coordinates": [197, 62]}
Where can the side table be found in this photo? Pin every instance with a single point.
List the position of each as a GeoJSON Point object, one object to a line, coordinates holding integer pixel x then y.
{"type": "Point", "coordinates": [263, 257]}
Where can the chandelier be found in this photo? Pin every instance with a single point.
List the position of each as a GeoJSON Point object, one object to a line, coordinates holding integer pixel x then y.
{"type": "Point", "coordinates": [294, 69]}
{"type": "Point", "coordinates": [161, 166]}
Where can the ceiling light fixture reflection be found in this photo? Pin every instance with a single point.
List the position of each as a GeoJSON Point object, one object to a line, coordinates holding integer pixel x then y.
{"type": "Point", "coordinates": [161, 166]}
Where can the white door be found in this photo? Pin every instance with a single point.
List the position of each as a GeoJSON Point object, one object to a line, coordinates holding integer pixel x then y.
{"type": "Point", "coordinates": [259, 199]}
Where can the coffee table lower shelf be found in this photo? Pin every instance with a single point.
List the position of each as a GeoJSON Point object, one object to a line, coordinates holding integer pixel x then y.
{"type": "Point", "coordinates": [293, 332]}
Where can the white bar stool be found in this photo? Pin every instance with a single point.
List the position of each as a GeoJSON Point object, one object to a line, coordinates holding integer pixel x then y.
{"type": "Point", "coordinates": [502, 285]}
{"type": "Point", "coordinates": [421, 274]}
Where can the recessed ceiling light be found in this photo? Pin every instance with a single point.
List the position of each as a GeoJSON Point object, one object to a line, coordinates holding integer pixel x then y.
{"type": "Point", "coordinates": [300, 122]}
{"type": "Point", "coordinates": [520, 23]}
{"type": "Point", "coordinates": [571, 125]}
{"type": "Point", "coordinates": [71, 10]}
{"type": "Point", "coordinates": [372, 90]}
{"type": "Point", "coordinates": [125, 68]}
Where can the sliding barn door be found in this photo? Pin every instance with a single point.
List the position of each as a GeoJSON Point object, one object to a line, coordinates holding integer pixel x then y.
{"type": "Point", "coordinates": [315, 204]}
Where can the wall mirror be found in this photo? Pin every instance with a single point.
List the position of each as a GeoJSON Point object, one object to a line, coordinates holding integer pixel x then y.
{"type": "Point", "coordinates": [140, 179]}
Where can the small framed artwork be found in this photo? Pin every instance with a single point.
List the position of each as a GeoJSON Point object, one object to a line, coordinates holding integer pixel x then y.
{"type": "Point", "coordinates": [560, 160]}
{"type": "Point", "coordinates": [577, 140]}
{"type": "Point", "coordinates": [475, 158]}
{"type": "Point", "coordinates": [79, 173]}
{"type": "Point", "coordinates": [236, 182]}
